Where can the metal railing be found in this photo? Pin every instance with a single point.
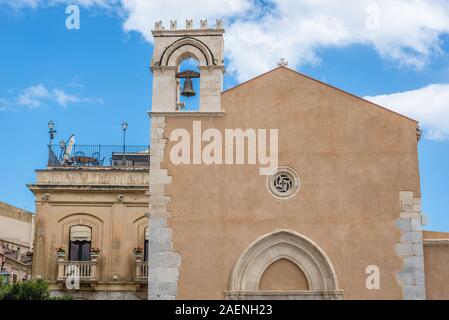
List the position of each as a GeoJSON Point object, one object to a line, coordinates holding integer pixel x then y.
{"type": "Point", "coordinates": [99, 155]}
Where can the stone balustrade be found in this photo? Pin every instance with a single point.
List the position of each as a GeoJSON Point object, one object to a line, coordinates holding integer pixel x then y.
{"type": "Point", "coordinates": [87, 271]}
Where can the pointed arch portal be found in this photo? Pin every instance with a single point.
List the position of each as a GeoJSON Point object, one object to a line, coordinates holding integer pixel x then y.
{"type": "Point", "coordinates": [292, 246]}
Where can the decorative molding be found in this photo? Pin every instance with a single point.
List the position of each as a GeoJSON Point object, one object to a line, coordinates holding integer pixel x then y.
{"type": "Point", "coordinates": [86, 219]}
{"type": "Point", "coordinates": [186, 114]}
{"type": "Point", "coordinates": [282, 244]}
{"type": "Point", "coordinates": [286, 295]}
{"type": "Point", "coordinates": [418, 133]}
{"type": "Point", "coordinates": [283, 183]}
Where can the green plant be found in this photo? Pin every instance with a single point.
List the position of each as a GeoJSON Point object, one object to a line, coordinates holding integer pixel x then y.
{"type": "Point", "coordinates": [25, 290]}
{"type": "Point", "coordinates": [29, 290]}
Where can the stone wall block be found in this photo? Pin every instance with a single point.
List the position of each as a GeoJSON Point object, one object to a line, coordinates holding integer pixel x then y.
{"type": "Point", "coordinates": [410, 247]}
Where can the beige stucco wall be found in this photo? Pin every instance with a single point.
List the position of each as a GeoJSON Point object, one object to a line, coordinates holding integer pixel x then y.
{"type": "Point", "coordinates": [353, 159]}
{"type": "Point", "coordinates": [436, 260]}
{"type": "Point", "coordinates": [113, 202]}
{"type": "Point", "coordinates": [283, 275]}
{"type": "Point", "coordinates": [15, 224]}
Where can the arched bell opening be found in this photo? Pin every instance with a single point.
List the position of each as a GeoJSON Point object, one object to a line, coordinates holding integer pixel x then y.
{"type": "Point", "coordinates": [188, 83]}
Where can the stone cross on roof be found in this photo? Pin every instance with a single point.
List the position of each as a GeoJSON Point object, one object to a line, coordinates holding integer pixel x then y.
{"type": "Point", "coordinates": [282, 62]}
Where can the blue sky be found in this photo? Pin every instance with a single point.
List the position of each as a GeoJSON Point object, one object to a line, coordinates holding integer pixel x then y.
{"type": "Point", "coordinates": [90, 80]}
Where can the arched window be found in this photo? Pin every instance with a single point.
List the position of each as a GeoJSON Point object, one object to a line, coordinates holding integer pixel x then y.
{"type": "Point", "coordinates": [260, 270]}
{"type": "Point", "coordinates": [80, 243]}
{"type": "Point", "coordinates": [145, 245]}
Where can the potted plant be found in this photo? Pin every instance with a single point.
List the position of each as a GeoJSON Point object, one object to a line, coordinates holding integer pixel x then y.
{"type": "Point", "coordinates": [94, 253]}
{"type": "Point", "coordinates": [138, 253]}
{"type": "Point", "coordinates": [60, 252]}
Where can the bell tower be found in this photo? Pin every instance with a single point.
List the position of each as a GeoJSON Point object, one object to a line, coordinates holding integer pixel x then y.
{"type": "Point", "coordinates": [173, 46]}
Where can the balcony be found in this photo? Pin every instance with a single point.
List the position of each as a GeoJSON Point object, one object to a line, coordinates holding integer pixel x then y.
{"type": "Point", "coordinates": [85, 271]}
{"type": "Point", "coordinates": [141, 266]}
{"type": "Point", "coordinates": [98, 156]}
{"type": "Point", "coordinates": [141, 271]}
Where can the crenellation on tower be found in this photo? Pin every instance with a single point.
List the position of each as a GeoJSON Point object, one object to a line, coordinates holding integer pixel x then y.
{"type": "Point", "coordinates": [158, 25]}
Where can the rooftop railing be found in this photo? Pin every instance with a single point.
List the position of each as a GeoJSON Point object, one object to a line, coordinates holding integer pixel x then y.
{"type": "Point", "coordinates": [98, 155]}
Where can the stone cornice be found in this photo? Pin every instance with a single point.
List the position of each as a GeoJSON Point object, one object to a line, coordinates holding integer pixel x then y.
{"type": "Point", "coordinates": [95, 169]}
{"type": "Point", "coordinates": [436, 242]}
{"type": "Point", "coordinates": [186, 114]}
{"type": "Point", "coordinates": [87, 187]}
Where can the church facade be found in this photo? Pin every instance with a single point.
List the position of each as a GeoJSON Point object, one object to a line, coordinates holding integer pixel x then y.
{"type": "Point", "coordinates": [339, 217]}
{"type": "Point", "coordinates": [282, 187]}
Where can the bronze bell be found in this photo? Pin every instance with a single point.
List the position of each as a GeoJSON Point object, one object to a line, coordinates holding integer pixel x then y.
{"type": "Point", "coordinates": [187, 90]}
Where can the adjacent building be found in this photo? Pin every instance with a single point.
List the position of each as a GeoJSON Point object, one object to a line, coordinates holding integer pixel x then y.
{"type": "Point", "coordinates": [16, 244]}
{"type": "Point", "coordinates": [91, 224]}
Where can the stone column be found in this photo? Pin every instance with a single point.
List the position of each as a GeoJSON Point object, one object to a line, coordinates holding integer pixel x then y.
{"type": "Point", "coordinates": [163, 262]}
{"type": "Point", "coordinates": [164, 89]}
{"type": "Point", "coordinates": [410, 248]}
{"type": "Point", "coordinates": [211, 86]}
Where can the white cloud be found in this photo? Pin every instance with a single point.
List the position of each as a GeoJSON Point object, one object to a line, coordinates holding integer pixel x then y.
{"type": "Point", "coordinates": [429, 105]}
{"type": "Point", "coordinates": [259, 32]}
{"type": "Point", "coordinates": [141, 15]}
{"type": "Point", "coordinates": [19, 4]}
{"type": "Point", "coordinates": [63, 99]}
{"type": "Point", "coordinates": [33, 96]}
{"type": "Point", "coordinates": [39, 95]}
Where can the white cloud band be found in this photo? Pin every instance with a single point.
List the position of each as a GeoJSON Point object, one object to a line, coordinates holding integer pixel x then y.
{"type": "Point", "coordinates": [429, 105]}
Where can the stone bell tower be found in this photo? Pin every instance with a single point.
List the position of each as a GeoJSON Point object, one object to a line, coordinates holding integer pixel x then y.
{"type": "Point", "coordinates": [173, 46]}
